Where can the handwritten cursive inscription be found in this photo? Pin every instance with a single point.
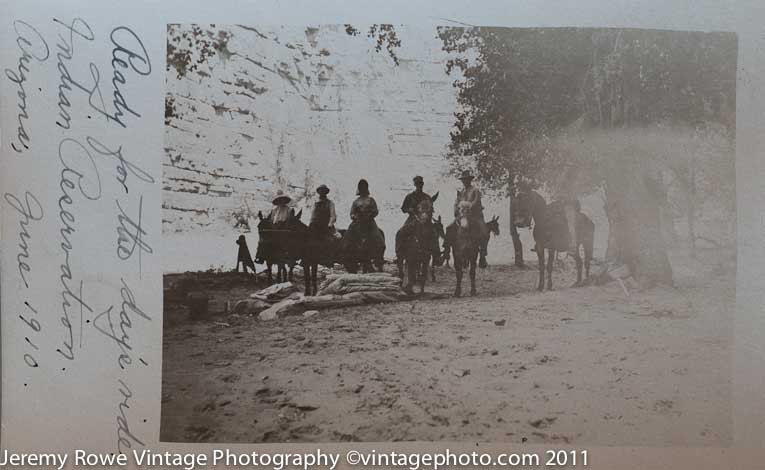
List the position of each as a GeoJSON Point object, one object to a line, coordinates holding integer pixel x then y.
{"type": "Point", "coordinates": [125, 437]}
{"type": "Point", "coordinates": [31, 210]}
{"type": "Point", "coordinates": [32, 46]}
{"type": "Point", "coordinates": [130, 235]}
{"type": "Point", "coordinates": [128, 53]}
{"type": "Point", "coordinates": [79, 172]}
{"type": "Point", "coordinates": [78, 28]}
{"type": "Point", "coordinates": [129, 311]}
{"type": "Point", "coordinates": [123, 165]}
{"type": "Point", "coordinates": [32, 323]}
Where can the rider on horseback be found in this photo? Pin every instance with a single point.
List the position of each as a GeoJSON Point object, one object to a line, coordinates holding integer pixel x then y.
{"type": "Point", "coordinates": [411, 201]}
{"type": "Point", "coordinates": [472, 195]}
{"type": "Point", "coordinates": [323, 217]}
{"type": "Point", "coordinates": [280, 213]}
{"type": "Point", "coordinates": [363, 213]}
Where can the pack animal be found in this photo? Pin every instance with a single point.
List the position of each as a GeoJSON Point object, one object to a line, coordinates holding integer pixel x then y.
{"type": "Point", "coordinates": [417, 240]}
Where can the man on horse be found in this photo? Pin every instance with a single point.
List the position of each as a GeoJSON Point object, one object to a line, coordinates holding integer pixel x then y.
{"type": "Point", "coordinates": [472, 195]}
{"type": "Point", "coordinates": [363, 213]}
{"type": "Point", "coordinates": [280, 213]}
{"type": "Point", "coordinates": [411, 201]}
{"type": "Point", "coordinates": [323, 217]}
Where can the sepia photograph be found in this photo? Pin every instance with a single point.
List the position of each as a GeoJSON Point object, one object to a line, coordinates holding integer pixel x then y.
{"type": "Point", "coordinates": [378, 233]}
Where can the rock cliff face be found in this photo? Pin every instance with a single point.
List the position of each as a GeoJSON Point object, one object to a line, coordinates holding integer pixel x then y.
{"type": "Point", "coordinates": [250, 110]}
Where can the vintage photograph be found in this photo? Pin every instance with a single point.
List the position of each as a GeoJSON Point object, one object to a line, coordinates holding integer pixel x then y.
{"type": "Point", "coordinates": [404, 233]}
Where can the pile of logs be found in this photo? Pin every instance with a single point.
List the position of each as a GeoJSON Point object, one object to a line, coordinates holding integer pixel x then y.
{"type": "Point", "coordinates": [337, 290]}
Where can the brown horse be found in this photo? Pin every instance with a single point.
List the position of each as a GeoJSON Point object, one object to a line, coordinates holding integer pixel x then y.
{"type": "Point", "coordinates": [364, 252]}
{"type": "Point", "coordinates": [438, 226]}
{"type": "Point", "coordinates": [280, 245]}
{"type": "Point", "coordinates": [550, 232]}
{"type": "Point", "coordinates": [492, 226]}
{"type": "Point", "coordinates": [416, 240]}
{"type": "Point", "coordinates": [465, 242]}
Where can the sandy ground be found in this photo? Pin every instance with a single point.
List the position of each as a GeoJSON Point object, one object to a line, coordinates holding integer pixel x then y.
{"type": "Point", "coordinates": [573, 366]}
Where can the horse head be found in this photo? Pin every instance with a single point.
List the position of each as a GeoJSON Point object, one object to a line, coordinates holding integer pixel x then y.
{"type": "Point", "coordinates": [463, 214]}
{"type": "Point", "coordinates": [493, 225]}
{"type": "Point", "coordinates": [424, 211]}
{"type": "Point", "coordinates": [439, 227]}
{"type": "Point", "coordinates": [525, 207]}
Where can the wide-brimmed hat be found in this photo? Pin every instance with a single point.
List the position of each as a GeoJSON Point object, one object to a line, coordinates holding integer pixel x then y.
{"type": "Point", "coordinates": [323, 189]}
{"type": "Point", "coordinates": [418, 179]}
{"type": "Point", "coordinates": [466, 175]}
{"type": "Point", "coordinates": [362, 186]}
{"type": "Point", "coordinates": [280, 197]}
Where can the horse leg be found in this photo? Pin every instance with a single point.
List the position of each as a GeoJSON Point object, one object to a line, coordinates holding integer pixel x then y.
{"type": "Point", "coordinates": [314, 276]}
{"type": "Point", "coordinates": [423, 268]}
{"type": "Point", "coordinates": [411, 276]}
{"type": "Point", "coordinates": [541, 262]}
{"type": "Point", "coordinates": [578, 260]}
{"type": "Point", "coordinates": [587, 259]}
{"type": "Point", "coordinates": [292, 268]}
{"type": "Point", "coordinates": [306, 278]}
{"type": "Point", "coordinates": [432, 270]}
{"type": "Point", "coordinates": [458, 268]}
{"type": "Point", "coordinates": [400, 265]}
{"type": "Point", "coordinates": [473, 262]}
{"type": "Point", "coordinates": [550, 260]}
{"type": "Point", "coordinates": [270, 276]}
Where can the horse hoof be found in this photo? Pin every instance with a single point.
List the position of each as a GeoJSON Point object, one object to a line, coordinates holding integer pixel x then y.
{"type": "Point", "coordinates": [457, 294]}
{"type": "Point", "coordinates": [472, 293]}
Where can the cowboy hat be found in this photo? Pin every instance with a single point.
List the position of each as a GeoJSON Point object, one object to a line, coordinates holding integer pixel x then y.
{"type": "Point", "coordinates": [281, 197]}
{"type": "Point", "coordinates": [323, 189]}
{"type": "Point", "coordinates": [418, 179]}
{"type": "Point", "coordinates": [466, 175]}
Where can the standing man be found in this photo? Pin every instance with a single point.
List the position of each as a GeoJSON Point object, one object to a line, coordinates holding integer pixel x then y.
{"type": "Point", "coordinates": [411, 201]}
{"type": "Point", "coordinates": [472, 195]}
{"type": "Point", "coordinates": [323, 217]}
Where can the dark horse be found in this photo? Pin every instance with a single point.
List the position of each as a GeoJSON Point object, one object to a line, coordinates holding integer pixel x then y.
{"type": "Point", "coordinates": [279, 245]}
{"type": "Point", "coordinates": [416, 240]}
{"type": "Point", "coordinates": [464, 241]}
{"type": "Point", "coordinates": [492, 226]}
{"type": "Point", "coordinates": [364, 252]}
{"type": "Point", "coordinates": [320, 248]}
{"type": "Point", "coordinates": [551, 231]}
{"type": "Point", "coordinates": [438, 226]}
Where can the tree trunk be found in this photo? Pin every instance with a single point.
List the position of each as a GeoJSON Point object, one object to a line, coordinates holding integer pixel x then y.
{"type": "Point", "coordinates": [517, 246]}
{"type": "Point", "coordinates": [692, 209]}
{"type": "Point", "coordinates": [635, 235]}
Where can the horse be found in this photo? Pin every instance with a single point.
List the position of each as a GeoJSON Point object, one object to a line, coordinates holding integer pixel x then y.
{"type": "Point", "coordinates": [465, 242]}
{"type": "Point", "coordinates": [279, 245]}
{"type": "Point", "coordinates": [364, 253]}
{"type": "Point", "coordinates": [438, 227]}
{"type": "Point", "coordinates": [551, 230]}
{"type": "Point", "coordinates": [417, 239]}
{"type": "Point", "coordinates": [492, 226]}
{"type": "Point", "coordinates": [320, 248]}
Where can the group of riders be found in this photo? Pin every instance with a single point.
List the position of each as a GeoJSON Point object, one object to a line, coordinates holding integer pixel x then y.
{"type": "Point", "coordinates": [364, 210]}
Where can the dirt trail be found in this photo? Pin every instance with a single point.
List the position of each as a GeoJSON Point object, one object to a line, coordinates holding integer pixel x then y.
{"type": "Point", "coordinates": [581, 366]}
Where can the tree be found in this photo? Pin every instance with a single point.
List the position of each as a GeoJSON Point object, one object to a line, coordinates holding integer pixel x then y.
{"type": "Point", "coordinates": [566, 108]}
